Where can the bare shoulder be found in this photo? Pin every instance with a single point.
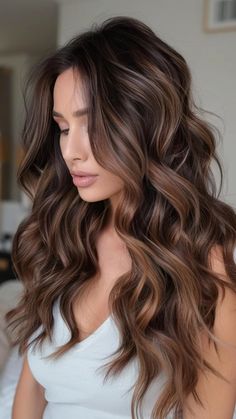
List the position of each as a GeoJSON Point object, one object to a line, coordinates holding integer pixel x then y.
{"type": "Point", "coordinates": [26, 377]}
{"type": "Point", "coordinates": [218, 396]}
{"type": "Point", "coordinates": [29, 400]}
{"type": "Point", "coordinates": [225, 320]}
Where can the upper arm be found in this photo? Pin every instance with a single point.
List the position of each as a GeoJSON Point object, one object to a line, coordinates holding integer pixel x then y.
{"type": "Point", "coordinates": [218, 396]}
{"type": "Point", "coordinates": [29, 398]}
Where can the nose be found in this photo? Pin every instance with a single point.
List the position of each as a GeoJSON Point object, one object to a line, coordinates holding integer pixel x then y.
{"type": "Point", "coordinates": [74, 145]}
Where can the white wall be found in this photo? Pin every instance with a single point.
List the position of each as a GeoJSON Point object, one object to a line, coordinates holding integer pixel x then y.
{"type": "Point", "coordinates": [211, 57]}
{"type": "Point", "coordinates": [20, 64]}
{"type": "Point", "coordinates": [17, 63]}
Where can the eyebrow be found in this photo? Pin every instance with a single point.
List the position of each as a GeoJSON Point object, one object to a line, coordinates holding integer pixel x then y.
{"type": "Point", "coordinates": [78, 113]}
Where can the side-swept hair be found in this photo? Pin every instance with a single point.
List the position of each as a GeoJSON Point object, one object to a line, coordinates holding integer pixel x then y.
{"type": "Point", "coordinates": [144, 127]}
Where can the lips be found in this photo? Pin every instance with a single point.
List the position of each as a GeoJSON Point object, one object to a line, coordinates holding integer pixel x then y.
{"type": "Point", "coordinates": [80, 173]}
{"type": "Point", "coordinates": [83, 181]}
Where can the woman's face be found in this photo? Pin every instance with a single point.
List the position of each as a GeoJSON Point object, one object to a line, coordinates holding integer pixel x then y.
{"type": "Point", "coordinates": [74, 141]}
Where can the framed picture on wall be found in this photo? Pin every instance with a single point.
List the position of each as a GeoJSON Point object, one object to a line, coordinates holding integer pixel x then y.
{"type": "Point", "coordinates": [219, 15]}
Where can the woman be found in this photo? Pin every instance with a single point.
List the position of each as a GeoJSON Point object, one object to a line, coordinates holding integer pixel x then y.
{"type": "Point", "coordinates": [128, 252]}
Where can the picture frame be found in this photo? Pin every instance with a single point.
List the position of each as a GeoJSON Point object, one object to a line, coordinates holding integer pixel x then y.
{"type": "Point", "coordinates": [219, 15]}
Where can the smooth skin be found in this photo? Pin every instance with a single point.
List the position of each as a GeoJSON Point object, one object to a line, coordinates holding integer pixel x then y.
{"type": "Point", "coordinates": [29, 401]}
{"type": "Point", "coordinates": [75, 146]}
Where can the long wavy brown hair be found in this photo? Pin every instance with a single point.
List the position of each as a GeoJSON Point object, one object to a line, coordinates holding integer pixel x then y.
{"type": "Point", "coordinates": [144, 127]}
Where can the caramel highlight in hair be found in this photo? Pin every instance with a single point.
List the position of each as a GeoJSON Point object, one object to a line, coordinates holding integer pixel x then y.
{"type": "Point", "coordinates": [143, 126]}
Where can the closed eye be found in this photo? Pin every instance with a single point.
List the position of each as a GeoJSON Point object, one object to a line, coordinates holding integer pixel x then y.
{"type": "Point", "coordinates": [63, 131]}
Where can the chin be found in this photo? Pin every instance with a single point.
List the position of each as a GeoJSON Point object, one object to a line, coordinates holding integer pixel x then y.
{"type": "Point", "coordinates": [91, 198]}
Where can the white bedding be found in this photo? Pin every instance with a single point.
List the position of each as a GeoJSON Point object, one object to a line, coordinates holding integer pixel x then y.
{"type": "Point", "coordinates": [8, 382]}
{"type": "Point", "coordinates": [10, 362]}
{"type": "Point", "coordinates": [10, 292]}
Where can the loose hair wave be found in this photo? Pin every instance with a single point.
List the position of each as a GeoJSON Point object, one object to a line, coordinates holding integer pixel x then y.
{"type": "Point", "coordinates": [143, 126]}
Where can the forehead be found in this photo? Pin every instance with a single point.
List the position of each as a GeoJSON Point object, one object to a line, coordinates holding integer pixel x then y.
{"type": "Point", "coordinates": [68, 88]}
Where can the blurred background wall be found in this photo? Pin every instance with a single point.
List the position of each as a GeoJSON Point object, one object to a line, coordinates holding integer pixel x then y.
{"type": "Point", "coordinates": [29, 30]}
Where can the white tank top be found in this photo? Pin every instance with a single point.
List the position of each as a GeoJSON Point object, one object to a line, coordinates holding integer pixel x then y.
{"type": "Point", "coordinates": [74, 388]}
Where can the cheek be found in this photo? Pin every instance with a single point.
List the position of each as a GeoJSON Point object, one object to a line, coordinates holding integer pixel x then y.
{"type": "Point", "coordinates": [114, 182]}
{"type": "Point", "coordinates": [62, 154]}
{"type": "Point", "coordinates": [62, 147]}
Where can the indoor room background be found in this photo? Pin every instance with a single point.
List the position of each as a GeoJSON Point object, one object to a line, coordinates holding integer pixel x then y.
{"type": "Point", "coordinates": [204, 31]}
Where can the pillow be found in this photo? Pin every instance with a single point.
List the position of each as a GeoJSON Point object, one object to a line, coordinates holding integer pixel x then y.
{"type": "Point", "coordinates": [8, 382]}
{"type": "Point", "coordinates": [10, 292]}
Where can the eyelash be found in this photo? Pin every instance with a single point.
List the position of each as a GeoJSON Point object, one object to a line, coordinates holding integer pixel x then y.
{"type": "Point", "coordinates": [63, 131]}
